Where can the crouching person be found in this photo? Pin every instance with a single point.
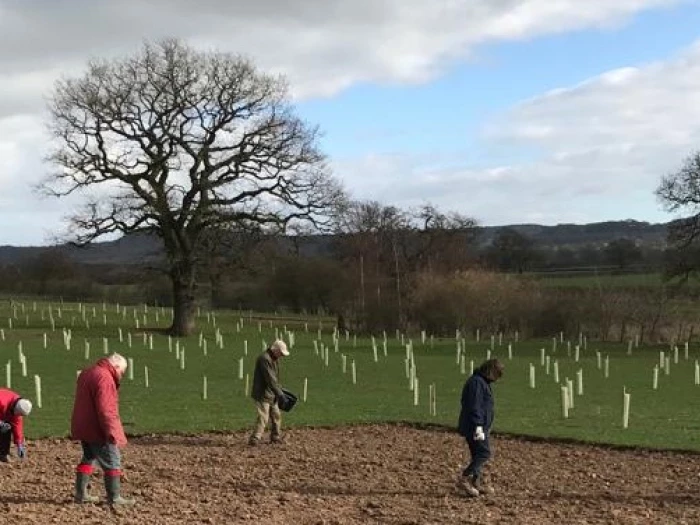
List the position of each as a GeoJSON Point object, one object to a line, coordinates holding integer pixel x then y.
{"type": "Point", "coordinates": [13, 408]}
{"type": "Point", "coordinates": [475, 420]}
{"type": "Point", "coordinates": [98, 427]}
{"type": "Point", "coordinates": [266, 390]}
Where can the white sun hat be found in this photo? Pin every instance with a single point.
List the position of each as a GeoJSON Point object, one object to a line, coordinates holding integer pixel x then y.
{"type": "Point", "coordinates": [281, 346]}
{"type": "Point", "coordinates": [23, 407]}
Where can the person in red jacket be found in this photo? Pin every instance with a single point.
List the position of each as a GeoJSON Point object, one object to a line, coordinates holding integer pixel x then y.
{"type": "Point", "coordinates": [13, 408]}
{"type": "Point", "coordinates": [98, 427]}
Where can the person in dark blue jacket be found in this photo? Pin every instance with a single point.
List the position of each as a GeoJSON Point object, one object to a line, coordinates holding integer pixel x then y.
{"type": "Point", "coordinates": [475, 419]}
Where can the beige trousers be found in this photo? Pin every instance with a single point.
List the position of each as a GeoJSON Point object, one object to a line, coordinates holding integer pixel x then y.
{"type": "Point", "coordinates": [267, 412]}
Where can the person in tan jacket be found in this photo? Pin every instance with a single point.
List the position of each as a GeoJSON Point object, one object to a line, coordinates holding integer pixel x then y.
{"type": "Point", "coordinates": [266, 392]}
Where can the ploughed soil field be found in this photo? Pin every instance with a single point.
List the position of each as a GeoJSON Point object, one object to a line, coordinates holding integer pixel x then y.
{"type": "Point", "coordinates": [367, 474]}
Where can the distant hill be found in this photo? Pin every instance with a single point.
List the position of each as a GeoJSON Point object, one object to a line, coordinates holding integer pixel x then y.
{"type": "Point", "coordinates": [143, 248]}
{"type": "Point", "coordinates": [134, 249]}
{"type": "Point", "coordinates": [577, 235]}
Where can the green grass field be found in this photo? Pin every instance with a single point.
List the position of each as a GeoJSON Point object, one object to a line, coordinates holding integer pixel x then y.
{"type": "Point", "coordinates": [665, 418]}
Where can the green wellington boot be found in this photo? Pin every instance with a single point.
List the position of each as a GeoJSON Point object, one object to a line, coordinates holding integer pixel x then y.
{"type": "Point", "coordinates": [82, 481]}
{"type": "Point", "coordinates": [113, 488]}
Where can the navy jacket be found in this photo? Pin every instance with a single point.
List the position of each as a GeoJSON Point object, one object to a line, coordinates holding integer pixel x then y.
{"type": "Point", "coordinates": [477, 405]}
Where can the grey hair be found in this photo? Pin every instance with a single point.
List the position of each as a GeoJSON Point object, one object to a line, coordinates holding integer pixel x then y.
{"type": "Point", "coordinates": [118, 361]}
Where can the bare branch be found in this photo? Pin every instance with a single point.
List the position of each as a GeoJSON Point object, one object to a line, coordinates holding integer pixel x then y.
{"type": "Point", "coordinates": [179, 142]}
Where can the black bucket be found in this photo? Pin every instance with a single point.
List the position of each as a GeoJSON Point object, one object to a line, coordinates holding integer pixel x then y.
{"type": "Point", "coordinates": [287, 402]}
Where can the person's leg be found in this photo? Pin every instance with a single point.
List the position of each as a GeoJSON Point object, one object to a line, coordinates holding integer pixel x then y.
{"type": "Point", "coordinates": [5, 439]}
{"type": "Point", "coordinates": [109, 458]}
{"type": "Point", "coordinates": [275, 423]}
{"type": "Point", "coordinates": [469, 469]}
{"type": "Point", "coordinates": [468, 479]}
{"type": "Point", "coordinates": [82, 475]}
{"type": "Point", "coordinates": [481, 454]}
{"type": "Point", "coordinates": [262, 410]}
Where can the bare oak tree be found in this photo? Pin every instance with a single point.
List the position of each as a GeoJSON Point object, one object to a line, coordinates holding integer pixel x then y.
{"type": "Point", "coordinates": [680, 191]}
{"type": "Point", "coordinates": [182, 143]}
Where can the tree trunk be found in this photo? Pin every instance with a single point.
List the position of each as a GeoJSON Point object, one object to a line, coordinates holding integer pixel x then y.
{"type": "Point", "coordinates": [362, 284]}
{"type": "Point", "coordinates": [398, 287]}
{"type": "Point", "coordinates": [184, 303]}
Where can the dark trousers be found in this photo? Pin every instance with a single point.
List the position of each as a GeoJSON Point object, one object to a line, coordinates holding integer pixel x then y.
{"type": "Point", "coordinates": [5, 440]}
{"type": "Point", "coordinates": [480, 454]}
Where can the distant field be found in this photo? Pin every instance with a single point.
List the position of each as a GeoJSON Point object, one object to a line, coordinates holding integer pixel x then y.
{"type": "Point", "coordinates": [605, 281]}
{"type": "Point", "coordinates": [173, 402]}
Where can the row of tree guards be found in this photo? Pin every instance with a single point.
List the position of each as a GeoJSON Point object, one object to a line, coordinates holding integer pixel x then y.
{"type": "Point", "coordinates": [550, 365]}
{"type": "Point", "coordinates": [567, 389]}
{"type": "Point", "coordinates": [179, 352]}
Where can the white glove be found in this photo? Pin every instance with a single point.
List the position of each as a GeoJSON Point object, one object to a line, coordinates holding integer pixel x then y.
{"type": "Point", "coordinates": [479, 434]}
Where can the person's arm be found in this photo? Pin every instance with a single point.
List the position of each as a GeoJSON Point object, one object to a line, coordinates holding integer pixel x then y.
{"type": "Point", "coordinates": [17, 429]}
{"type": "Point", "coordinates": [17, 423]}
{"type": "Point", "coordinates": [475, 404]}
{"type": "Point", "coordinates": [106, 401]}
{"type": "Point", "coordinates": [271, 378]}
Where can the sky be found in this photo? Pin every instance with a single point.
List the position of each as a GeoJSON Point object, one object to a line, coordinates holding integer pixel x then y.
{"type": "Point", "coordinates": [507, 111]}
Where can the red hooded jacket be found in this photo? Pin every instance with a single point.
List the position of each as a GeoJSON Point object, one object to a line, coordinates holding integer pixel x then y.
{"type": "Point", "coordinates": [8, 398]}
{"type": "Point", "coordinates": [96, 408]}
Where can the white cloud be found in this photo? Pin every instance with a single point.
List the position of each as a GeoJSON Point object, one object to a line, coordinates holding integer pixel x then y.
{"type": "Point", "coordinates": [656, 105]}
{"type": "Point", "coordinates": [604, 145]}
{"type": "Point", "coordinates": [322, 46]}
